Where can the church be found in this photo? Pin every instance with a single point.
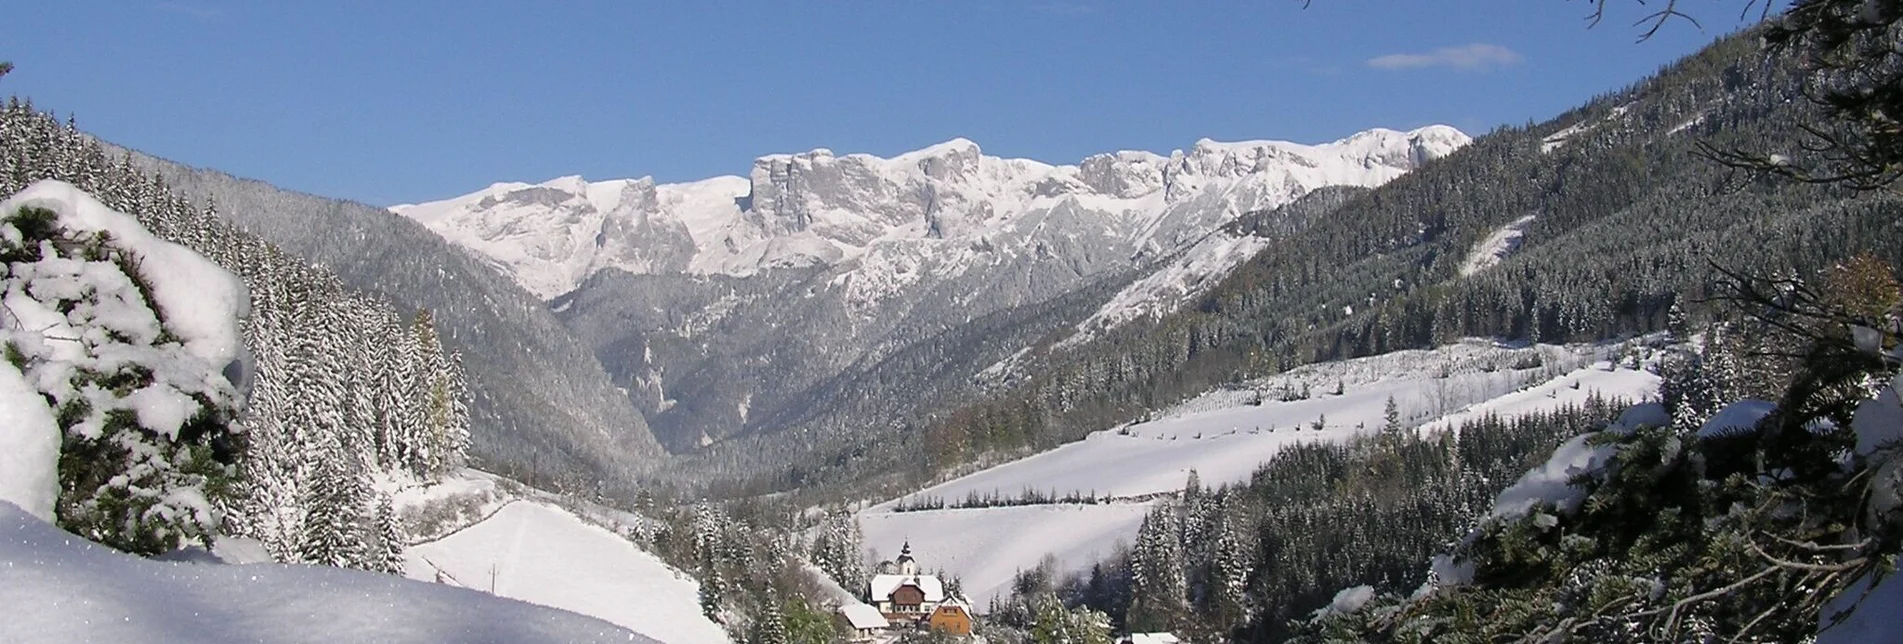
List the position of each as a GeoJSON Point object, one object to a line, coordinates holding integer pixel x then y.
{"type": "Point", "coordinates": [901, 592]}
{"type": "Point", "coordinates": [906, 596]}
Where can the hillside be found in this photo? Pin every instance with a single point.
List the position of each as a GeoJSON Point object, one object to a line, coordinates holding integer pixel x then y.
{"type": "Point", "coordinates": [551, 551]}
{"type": "Point", "coordinates": [683, 288]}
{"type": "Point", "coordinates": [1590, 226]}
{"type": "Point", "coordinates": [982, 527]}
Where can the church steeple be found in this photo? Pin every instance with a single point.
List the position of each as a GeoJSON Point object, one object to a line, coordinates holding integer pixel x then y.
{"type": "Point", "coordinates": [907, 566]}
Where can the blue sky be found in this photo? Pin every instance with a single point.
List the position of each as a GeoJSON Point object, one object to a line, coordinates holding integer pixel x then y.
{"type": "Point", "coordinates": [392, 102]}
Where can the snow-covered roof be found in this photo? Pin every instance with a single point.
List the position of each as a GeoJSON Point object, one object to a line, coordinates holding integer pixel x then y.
{"type": "Point", "coordinates": [863, 616]}
{"type": "Point", "coordinates": [1153, 638]}
{"type": "Point", "coordinates": [883, 586]}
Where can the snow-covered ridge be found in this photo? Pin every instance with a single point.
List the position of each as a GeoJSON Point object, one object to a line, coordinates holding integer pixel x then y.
{"type": "Point", "coordinates": [820, 208]}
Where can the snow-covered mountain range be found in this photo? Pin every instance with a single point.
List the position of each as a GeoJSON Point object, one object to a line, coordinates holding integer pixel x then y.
{"type": "Point", "coordinates": [818, 208]}
{"type": "Point", "coordinates": [794, 296]}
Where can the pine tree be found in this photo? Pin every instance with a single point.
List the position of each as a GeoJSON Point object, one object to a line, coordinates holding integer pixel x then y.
{"type": "Point", "coordinates": [711, 585]}
{"type": "Point", "coordinates": [838, 547]}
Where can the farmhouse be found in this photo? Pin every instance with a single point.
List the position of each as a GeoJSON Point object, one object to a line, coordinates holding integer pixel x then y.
{"type": "Point", "coordinates": [1150, 638]}
{"type": "Point", "coordinates": [952, 616]}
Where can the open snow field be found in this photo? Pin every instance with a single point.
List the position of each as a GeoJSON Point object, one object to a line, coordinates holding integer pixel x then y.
{"type": "Point", "coordinates": [1224, 436]}
{"type": "Point", "coordinates": [543, 554]}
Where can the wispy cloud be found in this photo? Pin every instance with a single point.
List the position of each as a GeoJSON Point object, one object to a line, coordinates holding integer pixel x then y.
{"type": "Point", "coordinates": [1477, 56]}
{"type": "Point", "coordinates": [188, 10]}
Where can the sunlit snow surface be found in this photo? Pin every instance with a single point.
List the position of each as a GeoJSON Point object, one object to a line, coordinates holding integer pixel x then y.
{"type": "Point", "coordinates": [58, 588]}
{"type": "Point", "coordinates": [29, 446]}
{"type": "Point", "coordinates": [1225, 437]}
{"type": "Point", "coordinates": [545, 555]}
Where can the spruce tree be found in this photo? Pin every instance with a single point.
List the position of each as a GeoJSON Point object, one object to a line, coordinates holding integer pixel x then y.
{"type": "Point", "coordinates": [333, 505]}
{"type": "Point", "coordinates": [391, 540]}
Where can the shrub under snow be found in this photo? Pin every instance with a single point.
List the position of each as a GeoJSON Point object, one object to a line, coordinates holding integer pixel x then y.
{"type": "Point", "coordinates": [126, 340]}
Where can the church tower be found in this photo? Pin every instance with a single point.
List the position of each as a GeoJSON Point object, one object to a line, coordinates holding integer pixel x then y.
{"type": "Point", "coordinates": [907, 566]}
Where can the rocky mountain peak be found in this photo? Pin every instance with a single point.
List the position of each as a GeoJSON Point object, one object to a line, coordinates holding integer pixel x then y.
{"type": "Point", "coordinates": [821, 208]}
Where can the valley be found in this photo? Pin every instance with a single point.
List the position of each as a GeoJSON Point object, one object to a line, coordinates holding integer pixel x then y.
{"type": "Point", "coordinates": [1616, 359]}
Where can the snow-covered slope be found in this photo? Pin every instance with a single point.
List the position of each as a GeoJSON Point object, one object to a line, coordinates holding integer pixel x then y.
{"type": "Point", "coordinates": [522, 545]}
{"type": "Point", "coordinates": [1167, 287]}
{"type": "Point", "coordinates": [741, 307]}
{"type": "Point", "coordinates": [58, 588]}
{"type": "Point", "coordinates": [1224, 436]}
{"type": "Point", "coordinates": [1496, 247]}
{"type": "Point", "coordinates": [818, 208]}
{"type": "Point", "coordinates": [544, 555]}
{"type": "Point", "coordinates": [985, 548]}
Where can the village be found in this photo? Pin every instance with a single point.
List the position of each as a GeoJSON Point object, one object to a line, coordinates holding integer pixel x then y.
{"type": "Point", "coordinates": [900, 600]}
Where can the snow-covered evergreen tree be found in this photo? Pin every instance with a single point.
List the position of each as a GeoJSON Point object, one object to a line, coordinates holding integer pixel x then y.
{"type": "Point", "coordinates": [839, 549]}
{"type": "Point", "coordinates": [126, 338]}
{"type": "Point", "coordinates": [1157, 565]}
{"type": "Point", "coordinates": [390, 538]}
{"type": "Point", "coordinates": [333, 527]}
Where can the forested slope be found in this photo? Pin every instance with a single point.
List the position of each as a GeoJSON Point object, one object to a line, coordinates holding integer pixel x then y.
{"type": "Point", "coordinates": [1629, 217]}
{"type": "Point", "coordinates": [571, 428]}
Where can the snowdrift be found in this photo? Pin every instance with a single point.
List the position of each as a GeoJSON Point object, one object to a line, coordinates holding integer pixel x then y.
{"type": "Point", "coordinates": [56, 587]}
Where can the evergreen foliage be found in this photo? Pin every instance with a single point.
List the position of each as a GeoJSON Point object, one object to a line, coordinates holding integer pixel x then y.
{"type": "Point", "coordinates": [1682, 536]}
{"type": "Point", "coordinates": [839, 549]}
